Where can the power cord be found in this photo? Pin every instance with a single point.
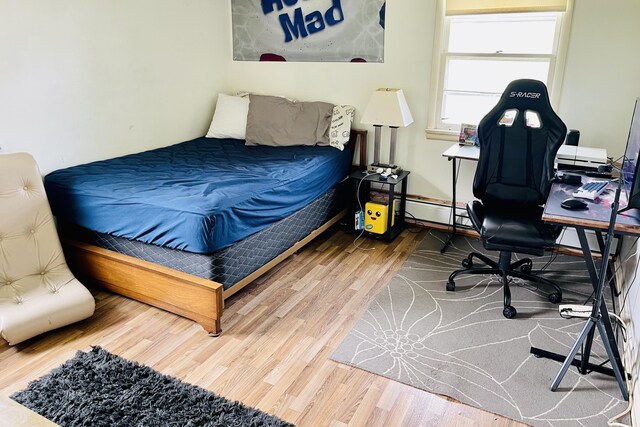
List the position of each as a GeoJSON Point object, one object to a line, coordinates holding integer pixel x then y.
{"type": "Point", "coordinates": [361, 211]}
{"type": "Point", "coordinates": [552, 258]}
{"type": "Point", "coordinates": [623, 327]}
{"type": "Point", "coordinates": [417, 229]}
{"type": "Point", "coordinates": [615, 272]}
{"type": "Point", "coordinates": [633, 279]}
{"type": "Point", "coordinates": [620, 324]}
{"type": "Point", "coordinates": [613, 420]}
{"type": "Point", "coordinates": [554, 254]}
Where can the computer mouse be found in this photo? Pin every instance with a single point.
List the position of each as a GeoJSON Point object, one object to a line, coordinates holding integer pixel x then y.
{"type": "Point", "coordinates": [574, 204]}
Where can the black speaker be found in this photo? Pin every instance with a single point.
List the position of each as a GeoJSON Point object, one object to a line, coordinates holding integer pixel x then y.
{"type": "Point", "coordinates": [572, 137]}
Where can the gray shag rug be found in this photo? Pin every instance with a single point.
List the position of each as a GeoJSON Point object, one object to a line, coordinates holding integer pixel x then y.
{"type": "Point", "coordinates": [459, 344]}
{"type": "Point", "coordinates": [98, 388]}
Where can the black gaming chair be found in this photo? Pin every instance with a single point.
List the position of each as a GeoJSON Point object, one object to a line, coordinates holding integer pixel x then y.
{"type": "Point", "coordinates": [519, 139]}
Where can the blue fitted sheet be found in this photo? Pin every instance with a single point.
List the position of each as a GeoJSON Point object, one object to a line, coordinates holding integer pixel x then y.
{"type": "Point", "coordinates": [199, 196]}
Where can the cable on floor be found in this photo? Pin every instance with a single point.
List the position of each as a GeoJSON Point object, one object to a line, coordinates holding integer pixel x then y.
{"type": "Point", "coordinates": [361, 211]}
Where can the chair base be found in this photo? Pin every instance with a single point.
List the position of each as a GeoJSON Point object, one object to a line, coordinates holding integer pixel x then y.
{"type": "Point", "coordinates": [521, 269]}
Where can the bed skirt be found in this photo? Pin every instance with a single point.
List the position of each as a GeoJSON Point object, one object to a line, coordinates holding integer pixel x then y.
{"type": "Point", "coordinates": [232, 264]}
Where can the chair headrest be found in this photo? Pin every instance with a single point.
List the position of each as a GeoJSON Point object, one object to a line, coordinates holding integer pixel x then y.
{"type": "Point", "coordinates": [525, 94]}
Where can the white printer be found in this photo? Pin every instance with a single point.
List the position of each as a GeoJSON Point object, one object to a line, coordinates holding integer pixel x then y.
{"type": "Point", "coordinates": [575, 157]}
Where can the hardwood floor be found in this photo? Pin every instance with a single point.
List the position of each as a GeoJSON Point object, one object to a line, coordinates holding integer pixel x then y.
{"type": "Point", "coordinates": [277, 337]}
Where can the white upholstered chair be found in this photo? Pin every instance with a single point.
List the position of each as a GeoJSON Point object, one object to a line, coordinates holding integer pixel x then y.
{"type": "Point", "coordinates": [37, 291]}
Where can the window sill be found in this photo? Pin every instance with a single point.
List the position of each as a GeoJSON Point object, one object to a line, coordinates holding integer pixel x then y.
{"type": "Point", "coordinates": [442, 135]}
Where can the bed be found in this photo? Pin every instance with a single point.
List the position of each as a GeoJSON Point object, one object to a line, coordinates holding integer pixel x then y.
{"type": "Point", "coordinates": [186, 226]}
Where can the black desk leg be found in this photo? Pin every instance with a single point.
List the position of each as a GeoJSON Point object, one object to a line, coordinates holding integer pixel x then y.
{"type": "Point", "coordinates": [601, 322]}
{"type": "Point", "coordinates": [611, 280]}
{"type": "Point", "coordinates": [593, 274]}
{"type": "Point", "coordinates": [584, 365]}
{"type": "Point", "coordinates": [588, 327]}
{"type": "Point", "coordinates": [453, 207]}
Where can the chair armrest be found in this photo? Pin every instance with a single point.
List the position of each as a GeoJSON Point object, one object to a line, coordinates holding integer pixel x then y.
{"type": "Point", "coordinates": [475, 209]}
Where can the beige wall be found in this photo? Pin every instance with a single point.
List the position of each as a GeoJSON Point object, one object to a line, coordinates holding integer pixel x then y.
{"type": "Point", "coordinates": [85, 80]}
{"type": "Point", "coordinates": [88, 80]}
{"type": "Point", "coordinates": [602, 78]}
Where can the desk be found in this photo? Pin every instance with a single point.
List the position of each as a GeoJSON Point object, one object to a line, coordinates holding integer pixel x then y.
{"type": "Point", "coordinates": [453, 153]}
{"type": "Point", "coordinates": [596, 218]}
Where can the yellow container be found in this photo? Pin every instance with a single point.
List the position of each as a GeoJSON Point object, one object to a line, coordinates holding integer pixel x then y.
{"type": "Point", "coordinates": [375, 217]}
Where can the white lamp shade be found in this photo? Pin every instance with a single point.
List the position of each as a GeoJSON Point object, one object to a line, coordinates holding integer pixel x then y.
{"type": "Point", "coordinates": [387, 107]}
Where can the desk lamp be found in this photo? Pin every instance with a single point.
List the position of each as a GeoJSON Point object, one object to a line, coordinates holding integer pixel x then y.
{"type": "Point", "coordinates": [387, 107]}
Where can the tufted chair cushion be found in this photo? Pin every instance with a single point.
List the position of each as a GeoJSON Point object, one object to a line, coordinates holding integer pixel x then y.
{"type": "Point", "coordinates": [37, 291]}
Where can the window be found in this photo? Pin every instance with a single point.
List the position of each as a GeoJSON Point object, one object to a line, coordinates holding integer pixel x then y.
{"type": "Point", "coordinates": [477, 54]}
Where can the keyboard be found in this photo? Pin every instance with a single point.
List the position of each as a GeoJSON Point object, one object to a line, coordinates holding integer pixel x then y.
{"type": "Point", "coordinates": [591, 190]}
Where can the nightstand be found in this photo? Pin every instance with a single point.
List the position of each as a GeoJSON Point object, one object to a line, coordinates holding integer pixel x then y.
{"type": "Point", "coordinates": [361, 181]}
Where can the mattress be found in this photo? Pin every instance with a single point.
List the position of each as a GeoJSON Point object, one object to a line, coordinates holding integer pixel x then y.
{"type": "Point", "coordinates": [198, 196]}
{"type": "Point", "coordinates": [234, 263]}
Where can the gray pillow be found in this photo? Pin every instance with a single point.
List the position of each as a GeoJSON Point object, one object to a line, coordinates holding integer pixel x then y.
{"type": "Point", "coordinates": [278, 122]}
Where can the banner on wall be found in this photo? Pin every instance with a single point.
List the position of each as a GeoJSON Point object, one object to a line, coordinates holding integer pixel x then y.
{"type": "Point", "coordinates": [308, 30]}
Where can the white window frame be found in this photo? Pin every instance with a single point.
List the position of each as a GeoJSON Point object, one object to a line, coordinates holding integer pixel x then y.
{"type": "Point", "coordinates": [436, 128]}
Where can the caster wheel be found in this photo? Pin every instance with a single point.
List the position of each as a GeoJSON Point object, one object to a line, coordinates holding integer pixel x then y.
{"type": "Point", "coordinates": [526, 269]}
{"type": "Point", "coordinates": [509, 312]}
{"type": "Point", "coordinates": [467, 263]}
{"type": "Point", "coordinates": [451, 286]}
{"type": "Point", "coordinates": [555, 298]}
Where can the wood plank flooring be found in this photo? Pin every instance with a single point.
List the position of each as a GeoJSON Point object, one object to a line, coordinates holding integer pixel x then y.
{"type": "Point", "coordinates": [277, 337]}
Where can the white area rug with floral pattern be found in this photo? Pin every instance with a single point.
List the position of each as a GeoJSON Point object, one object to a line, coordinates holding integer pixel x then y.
{"type": "Point", "coordinates": [459, 344]}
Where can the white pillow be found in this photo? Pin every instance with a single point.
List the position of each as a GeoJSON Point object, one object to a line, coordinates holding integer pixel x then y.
{"type": "Point", "coordinates": [230, 118]}
{"type": "Point", "coordinates": [341, 125]}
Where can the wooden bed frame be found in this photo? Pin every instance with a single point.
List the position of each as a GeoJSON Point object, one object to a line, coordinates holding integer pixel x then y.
{"type": "Point", "coordinates": [180, 293]}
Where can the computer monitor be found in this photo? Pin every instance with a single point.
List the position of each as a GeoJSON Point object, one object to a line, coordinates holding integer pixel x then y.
{"type": "Point", "coordinates": [630, 162]}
